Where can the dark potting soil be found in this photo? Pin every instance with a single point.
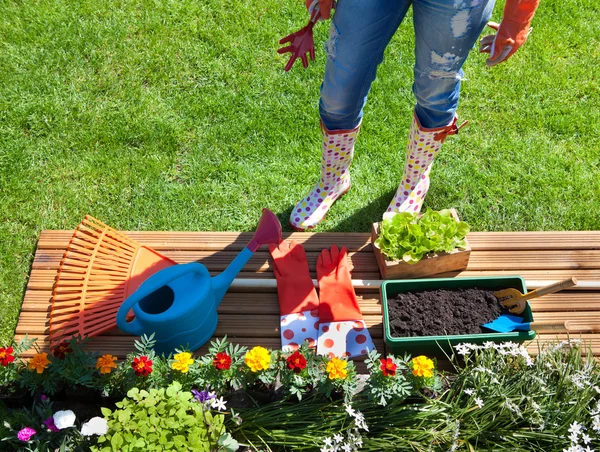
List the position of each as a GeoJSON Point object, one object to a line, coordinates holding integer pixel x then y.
{"type": "Point", "coordinates": [442, 312]}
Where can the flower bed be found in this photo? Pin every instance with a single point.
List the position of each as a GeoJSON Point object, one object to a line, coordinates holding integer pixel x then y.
{"type": "Point", "coordinates": [497, 398]}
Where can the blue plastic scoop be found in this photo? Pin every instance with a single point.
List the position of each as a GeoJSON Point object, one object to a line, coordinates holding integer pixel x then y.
{"type": "Point", "coordinates": [507, 323]}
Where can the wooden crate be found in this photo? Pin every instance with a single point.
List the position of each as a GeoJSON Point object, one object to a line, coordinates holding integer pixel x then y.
{"type": "Point", "coordinates": [431, 264]}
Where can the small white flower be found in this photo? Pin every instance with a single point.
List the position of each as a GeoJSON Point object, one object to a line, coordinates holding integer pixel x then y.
{"type": "Point", "coordinates": [587, 449]}
{"type": "Point", "coordinates": [95, 426]}
{"type": "Point", "coordinates": [535, 405]}
{"type": "Point", "coordinates": [350, 411]}
{"type": "Point", "coordinates": [218, 404]}
{"type": "Point", "coordinates": [469, 391]}
{"type": "Point", "coordinates": [7, 425]}
{"type": "Point", "coordinates": [479, 402]}
{"type": "Point", "coordinates": [488, 344]}
{"type": "Point", "coordinates": [325, 449]}
{"type": "Point", "coordinates": [347, 447]}
{"type": "Point", "coordinates": [573, 437]}
{"type": "Point", "coordinates": [586, 438]}
{"type": "Point", "coordinates": [328, 442]}
{"type": "Point", "coordinates": [64, 419]}
{"type": "Point", "coordinates": [338, 438]}
{"type": "Point", "coordinates": [575, 428]}
{"type": "Point", "coordinates": [235, 417]}
{"type": "Point", "coordinates": [596, 423]}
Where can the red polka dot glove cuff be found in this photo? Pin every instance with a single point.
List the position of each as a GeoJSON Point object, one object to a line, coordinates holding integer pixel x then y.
{"type": "Point", "coordinates": [342, 331]}
{"type": "Point", "coordinates": [298, 300]}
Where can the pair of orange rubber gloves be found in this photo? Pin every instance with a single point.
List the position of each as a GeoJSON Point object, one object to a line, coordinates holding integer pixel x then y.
{"type": "Point", "coordinates": [331, 321]}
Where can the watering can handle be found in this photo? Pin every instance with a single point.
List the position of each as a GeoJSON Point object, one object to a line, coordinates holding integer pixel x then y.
{"type": "Point", "coordinates": [153, 283]}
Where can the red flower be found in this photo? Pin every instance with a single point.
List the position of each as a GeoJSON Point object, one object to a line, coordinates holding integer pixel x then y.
{"type": "Point", "coordinates": [62, 349]}
{"type": "Point", "coordinates": [296, 362]}
{"type": "Point", "coordinates": [6, 356]}
{"type": "Point", "coordinates": [222, 361]}
{"type": "Point", "coordinates": [142, 366]}
{"type": "Point", "coordinates": [388, 367]}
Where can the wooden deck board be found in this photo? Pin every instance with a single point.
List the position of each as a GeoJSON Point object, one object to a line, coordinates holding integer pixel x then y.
{"type": "Point", "coordinates": [251, 316]}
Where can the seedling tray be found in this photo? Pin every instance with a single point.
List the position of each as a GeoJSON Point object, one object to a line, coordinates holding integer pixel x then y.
{"type": "Point", "coordinates": [440, 345]}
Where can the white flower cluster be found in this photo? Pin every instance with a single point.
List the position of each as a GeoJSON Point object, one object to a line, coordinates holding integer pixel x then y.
{"type": "Point", "coordinates": [339, 443]}
{"type": "Point", "coordinates": [576, 431]}
{"type": "Point", "coordinates": [504, 348]}
{"type": "Point", "coordinates": [359, 418]}
{"type": "Point", "coordinates": [353, 440]}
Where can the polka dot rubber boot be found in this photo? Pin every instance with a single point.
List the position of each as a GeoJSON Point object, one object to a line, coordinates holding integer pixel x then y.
{"type": "Point", "coordinates": [423, 146]}
{"type": "Point", "coordinates": [337, 153]}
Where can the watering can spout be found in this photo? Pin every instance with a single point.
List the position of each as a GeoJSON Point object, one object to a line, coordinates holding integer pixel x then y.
{"type": "Point", "coordinates": [267, 232]}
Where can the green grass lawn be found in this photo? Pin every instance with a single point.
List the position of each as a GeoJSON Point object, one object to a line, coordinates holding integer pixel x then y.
{"type": "Point", "coordinates": [177, 115]}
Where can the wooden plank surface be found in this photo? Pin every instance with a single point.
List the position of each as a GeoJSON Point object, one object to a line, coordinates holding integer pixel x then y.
{"type": "Point", "coordinates": [251, 316]}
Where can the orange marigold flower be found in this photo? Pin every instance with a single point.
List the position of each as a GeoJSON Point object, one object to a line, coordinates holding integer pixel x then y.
{"type": "Point", "coordinates": [38, 362]}
{"type": "Point", "coordinates": [422, 366]}
{"type": "Point", "coordinates": [6, 356]}
{"type": "Point", "coordinates": [336, 368]}
{"type": "Point", "coordinates": [106, 363]}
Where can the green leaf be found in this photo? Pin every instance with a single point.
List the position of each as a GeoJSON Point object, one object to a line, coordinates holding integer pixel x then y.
{"type": "Point", "coordinates": [116, 441]}
{"type": "Point", "coordinates": [228, 443]}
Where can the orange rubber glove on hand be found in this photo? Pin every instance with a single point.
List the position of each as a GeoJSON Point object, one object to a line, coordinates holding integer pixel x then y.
{"type": "Point", "coordinates": [342, 331]}
{"type": "Point", "coordinates": [298, 300]}
{"type": "Point", "coordinates": [511, 33]}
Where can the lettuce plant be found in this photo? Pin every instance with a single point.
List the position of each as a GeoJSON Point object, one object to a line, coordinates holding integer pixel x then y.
{"type": "Point", "coordinates": [408, 237]}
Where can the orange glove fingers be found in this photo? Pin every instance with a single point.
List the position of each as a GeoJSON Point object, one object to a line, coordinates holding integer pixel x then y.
{"type": "Point", "coordinates": [294, 285]}
{"type": "Point", "coordinates": [337, 298]}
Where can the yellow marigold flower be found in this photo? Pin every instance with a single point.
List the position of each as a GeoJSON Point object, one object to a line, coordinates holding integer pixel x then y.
{"type": "Point", "coordinates": [105, 363]}
{"type": "Point", "coordinates": [422, 366]}
{"type": "Point", "coordinates": [336, 368]}
{"type": "Point", "coordinates": [257, 359]}
{"type": "Point", "coordinates": [39, 362]}
{"type": "Point", "coordinates": [182, 362]}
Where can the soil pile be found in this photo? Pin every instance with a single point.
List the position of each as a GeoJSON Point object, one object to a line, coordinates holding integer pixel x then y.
{"type": "Point", "coordinates": [442, 312]}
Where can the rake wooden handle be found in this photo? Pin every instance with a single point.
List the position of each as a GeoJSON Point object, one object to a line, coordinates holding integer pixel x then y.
{"type": "Point", "coordinates": [559, 285]}
{"type": "Point", "coordinates": [567, 326]}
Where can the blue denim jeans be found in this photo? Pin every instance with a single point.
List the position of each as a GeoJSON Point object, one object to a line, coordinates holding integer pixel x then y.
{"type": "Point", "coordinates": [445, 32]}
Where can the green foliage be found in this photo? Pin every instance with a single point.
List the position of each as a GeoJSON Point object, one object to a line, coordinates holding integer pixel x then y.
{"type": "Point", "coordinates": [76, 368]}
{"type": "Point", "coordinates": [141, 113]}
{"type": "Point", "coordinates": [408, 237]}
{"type": "Point", "coordinates": [162, 420]}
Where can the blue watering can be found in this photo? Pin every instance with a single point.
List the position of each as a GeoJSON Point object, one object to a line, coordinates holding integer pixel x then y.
{"type": "Point", "coordinates": [179, 303]}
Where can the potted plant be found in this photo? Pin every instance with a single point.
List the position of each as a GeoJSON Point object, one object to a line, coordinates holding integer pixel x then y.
{"type": "Point", "coordinates": [429, 316]}
{"type": "Point", "coordinates": [259, 374]}
{"type": "Point", "coordinates": [11, 366]}
{"type": "Point", "coordinates": [219, 370]}
{"type": "Point", "coordinates": [407, 245]}
{"type": "Point", "coordinates": [299, 371]}
{"type": "Point", "coordinates": [75, 368]}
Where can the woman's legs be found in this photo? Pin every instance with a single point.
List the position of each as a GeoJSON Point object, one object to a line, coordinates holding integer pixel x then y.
{"type": "Point", "coordinates": [360, 32]}
{"type": "Point", "coordinates": [445, 32]}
